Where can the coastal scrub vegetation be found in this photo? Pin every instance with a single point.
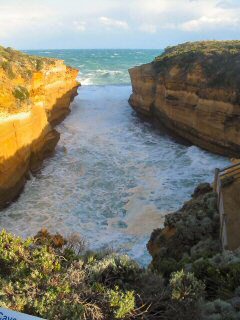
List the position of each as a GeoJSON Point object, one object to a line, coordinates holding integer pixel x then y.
{"type": "Point", "coordinates": [202, 47]}
{"type": "Point", "coordinates": [16, 63]}
{"type": "Point", "coordinates": [16, 78]}
{"type": "Point", "coordinates": [188, 246]}
{"type": "Point", "coordinates": [7, 67]}
{"type": "Point", "coordinates": [219, 61]}
{"type": "Point", "coordinates": [58, 278]}
{"type": "Point", "coordinates": [21, 93]}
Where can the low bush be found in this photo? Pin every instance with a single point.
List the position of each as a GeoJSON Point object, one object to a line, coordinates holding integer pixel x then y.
{"type": "Point", "coordinates": [54, 278]}
{"type": "Point", "coordinates": [39, 64]}
{"type": "Point", "coordinates": [21, 93]}
{"type": "Point", "coordinates": [7, 67]}
{"type": "Point", "coordinates": [186, 287]}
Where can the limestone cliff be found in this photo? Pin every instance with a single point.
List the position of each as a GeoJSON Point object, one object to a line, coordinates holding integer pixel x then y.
{"type": "Point", "coordinates": [35, 94]}
{"type": "Point", "coordinates": [194, 90]}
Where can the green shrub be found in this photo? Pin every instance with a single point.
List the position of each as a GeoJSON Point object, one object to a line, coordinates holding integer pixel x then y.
{"type": "Point", "coordinates": [22, 64]}
{"type": "Point", "coordinates": [37, 278]}
{"type": "Point", "coordinates": [113, 270]}
{"type": "Point", "coordinates": [219, 310]}
{"type": "Point", "coordinates": [55, 278]}
{"type": "Point", "coordinates": [7, 67]}
{"type": "Point", "coordinates": [221, 280]}
{"type": "Point", "coordinates": [123, 303]}
{"type": "Point", "coordinates": [219, 61]}
{"type": "Point", "coordinates": [21, 93]}
{"type": "Point", "coordinates": [29, 74]}
{"type": "Point", "coordinates": [39, 64]}
{"type": "Point", "coordinates": [186, 287]}
{"type": "Point", "coordinates": [167, 266]}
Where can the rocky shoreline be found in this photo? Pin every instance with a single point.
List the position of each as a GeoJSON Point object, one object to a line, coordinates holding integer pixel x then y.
{"type": "Point", "coordinates": [35, 95]}
{"type": "Point", "coordinates": [193, 90]}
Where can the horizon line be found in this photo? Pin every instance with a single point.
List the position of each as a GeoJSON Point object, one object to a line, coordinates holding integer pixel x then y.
{"type": "Point", "coordinates": [91, 49]}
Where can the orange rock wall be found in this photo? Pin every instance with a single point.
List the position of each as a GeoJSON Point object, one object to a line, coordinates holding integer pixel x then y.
{"type": "Point", "coordinates": [26, 131]}
{"type": "Point", "coordinates": [206, 116]}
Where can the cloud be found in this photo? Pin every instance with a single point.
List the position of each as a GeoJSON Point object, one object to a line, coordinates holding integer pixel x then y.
{"type": "Point", "coordinates": [215, 21]}
{"type": "Point", "coordinates": [227, 4]}
{"type": "Point", "coordinates": [17, 19]}
{"type": "Point", "coordinates": [189, 16]}
{"type": "Point", "coordinates": [113, 23]}
{"type": "Point", "coordinates": [57, 23]}
{"type": "Point", "coordinates": [206, 22]}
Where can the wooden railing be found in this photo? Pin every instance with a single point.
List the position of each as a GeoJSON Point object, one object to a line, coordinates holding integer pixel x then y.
{"type": "Point", "coordinates": [221, 176]}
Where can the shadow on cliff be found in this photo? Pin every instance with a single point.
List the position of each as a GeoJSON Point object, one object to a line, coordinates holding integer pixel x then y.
{"type": "Point", "coordinates": [160, 128]}
{"type": "Point", "coordinates": [61, 109]}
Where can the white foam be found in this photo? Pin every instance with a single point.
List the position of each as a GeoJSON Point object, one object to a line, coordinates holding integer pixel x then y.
{"type": "Point", "coordinates": [117, 175]}
{"type": "Point", "coordinates": [201, 159]}
{"type": "Point", "coordinates": [109, 72]}
{"type": "Point", "coordinates": [86, 81]}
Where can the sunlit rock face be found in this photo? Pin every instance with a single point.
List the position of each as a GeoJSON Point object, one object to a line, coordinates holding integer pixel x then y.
{"type": "Point", "coordinates": [35, 94]}
{"type": "Point", "coordinates": [194, 90]}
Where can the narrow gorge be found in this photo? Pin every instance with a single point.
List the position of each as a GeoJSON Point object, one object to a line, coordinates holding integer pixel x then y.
{"type": "Point", "coordinates": [115, 177]}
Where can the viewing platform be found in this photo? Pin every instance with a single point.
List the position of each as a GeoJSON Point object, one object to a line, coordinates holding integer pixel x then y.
{"type": "Point", "coordinates": [227, 186]}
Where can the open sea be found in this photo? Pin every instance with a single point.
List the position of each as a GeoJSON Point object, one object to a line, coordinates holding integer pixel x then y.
{"type": "Point", "coordinates": [114, 175]}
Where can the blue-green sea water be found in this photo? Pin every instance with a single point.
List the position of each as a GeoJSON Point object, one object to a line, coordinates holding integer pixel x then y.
{"type": "Point", "coordinates": [102, 67]}
{"type": "Point", "coordinates": [113, 176]}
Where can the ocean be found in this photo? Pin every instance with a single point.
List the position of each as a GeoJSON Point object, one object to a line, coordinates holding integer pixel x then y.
{"type": "Point", "coordinates": [114, 176]}
{"type": "Point", "coordinates": [101, 67]}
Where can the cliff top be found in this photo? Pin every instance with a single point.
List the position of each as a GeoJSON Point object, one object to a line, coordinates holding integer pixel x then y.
{"type": "Point", "coordinates": [23, 77]}
{"type": "Point", "coordinates": [202, 48]}
{"type": "Point", "coordinates": [217, 61]}
{"type": "Point", "coordinates": [15, 63]}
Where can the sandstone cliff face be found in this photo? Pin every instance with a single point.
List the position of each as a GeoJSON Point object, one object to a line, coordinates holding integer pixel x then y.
{"type": "Point", "coordinates": [194, 90]}
{"type": "Point", "coordinates": [35, 94]}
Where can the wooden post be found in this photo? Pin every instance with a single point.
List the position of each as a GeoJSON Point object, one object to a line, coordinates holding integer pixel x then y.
{"type": "Point", "coordinates": [217, 170]}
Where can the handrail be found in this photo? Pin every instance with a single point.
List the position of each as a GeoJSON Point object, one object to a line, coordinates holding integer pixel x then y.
{"type": "Point", "coordinates": [229, 167]}
{"type": "Point", "coordinates": [223, 173]}
{"type": "Point", "coordinates": [230, 171]}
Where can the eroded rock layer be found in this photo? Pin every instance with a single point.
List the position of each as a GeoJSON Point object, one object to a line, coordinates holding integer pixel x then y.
{"type": "Point", "coordinates": [35, 94]}
{"type": "Point", "coordinates": [194, 90]}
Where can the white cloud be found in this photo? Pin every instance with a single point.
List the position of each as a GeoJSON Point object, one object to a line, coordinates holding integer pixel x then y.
{"type": "Point", "coordinates": [17, 19]}
{"type": "Point", "coordinates": [42, 22]}
{"type": "Point", "coordinates": [185, 15]}
{"type": "Point", "coordinates": [211, 21]}
{"type": "Point", "coordinates": [113, 23]}
{"type": "Point", "coordinates": [149, 28]}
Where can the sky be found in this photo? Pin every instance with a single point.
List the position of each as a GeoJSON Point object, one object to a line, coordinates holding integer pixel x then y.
{"type": "Point", "coordinates": [146, 24]}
